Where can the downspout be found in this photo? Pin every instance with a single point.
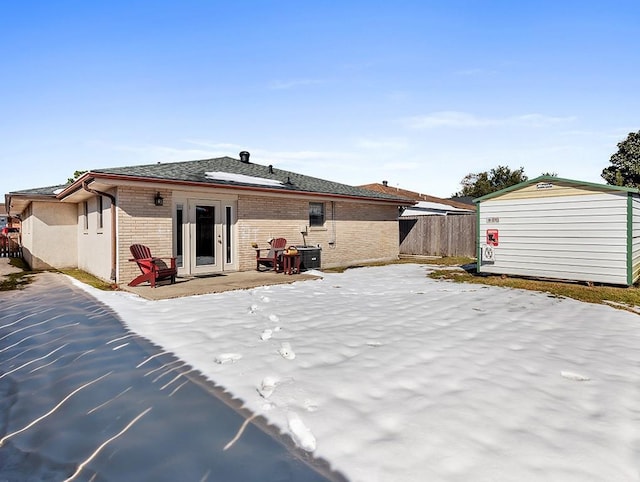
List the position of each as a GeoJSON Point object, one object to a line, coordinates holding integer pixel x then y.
{"type": "Point", "coordinates": [85, 186]}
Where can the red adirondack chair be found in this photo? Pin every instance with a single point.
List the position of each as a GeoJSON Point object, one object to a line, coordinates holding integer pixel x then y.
{"type": "Point", "coordinates": [153, 269]}
{"type": "Point", "coordinates": [273, 258]}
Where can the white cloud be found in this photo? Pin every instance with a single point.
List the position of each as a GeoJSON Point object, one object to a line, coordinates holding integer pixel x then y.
{"type": "Point", "coordinates": [457, 119]}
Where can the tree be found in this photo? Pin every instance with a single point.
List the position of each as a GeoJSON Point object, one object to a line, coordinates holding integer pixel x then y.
{"type": "Point", "coordinates": [625, 164]}
{"type": "Point", "coordinates": [481, 183]}
{"type": "Point", "coordinates": [76, 175]}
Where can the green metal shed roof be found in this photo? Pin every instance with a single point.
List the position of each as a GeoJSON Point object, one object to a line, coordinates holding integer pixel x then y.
{"type": "Point", "coordinates": [515, 187]}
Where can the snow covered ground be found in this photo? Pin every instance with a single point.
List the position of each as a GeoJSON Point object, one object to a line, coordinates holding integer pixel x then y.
{"type": "Point", "coordinates": [392, 376]}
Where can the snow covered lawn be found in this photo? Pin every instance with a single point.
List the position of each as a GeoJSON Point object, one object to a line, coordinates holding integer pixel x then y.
{"type": "Point", "coordinates": [392, 376]}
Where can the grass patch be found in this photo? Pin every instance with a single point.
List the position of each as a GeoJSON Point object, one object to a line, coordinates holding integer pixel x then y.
{"type": "Point", "coordinates": [16, 281]}
{"type": "Point", "coordinates": [440, 261]}
{"type": "Point", "coordinates": [89, 279]}
{"type": "Point", "coordinates": [619, 297]}
{"type": "Point", "coordinates": [19, 263]}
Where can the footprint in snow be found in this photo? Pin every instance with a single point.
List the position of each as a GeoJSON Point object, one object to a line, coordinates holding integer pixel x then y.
{"type": "Point", "coordinates": [310, 405]}
{"type": "Point", "coordinates": [266, 334]}
{"type": "Point", "coordinates": [253, 308]}
{"type": "Point", "coordinates": [274, 318]}
{"type": "Point", "coordinates": [265, 299]}
{"type": "Point", "coordinates": [286, 351]}
{"type": "Point", "coordinates": [267, 387]}
{"type": "Point", "coordinates": [576, 377]}
{"type": "Point", "coordinates": [302, 436]}
{"type": "Point", "coordinates": [228, 358]}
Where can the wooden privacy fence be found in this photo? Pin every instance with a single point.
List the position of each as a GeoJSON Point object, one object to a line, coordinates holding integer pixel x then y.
{"type": "Point", "coordinates": [452, 235]}
{"type": "Point", "coordinates": [10, 247]}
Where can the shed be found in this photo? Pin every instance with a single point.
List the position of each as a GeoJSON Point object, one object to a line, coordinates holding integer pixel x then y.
{"type": "Point", "coordinates": [556, 228]}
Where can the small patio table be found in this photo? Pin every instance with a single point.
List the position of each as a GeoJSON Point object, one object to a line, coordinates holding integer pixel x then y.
{"type": "Point", "coordinates": [291, 263]}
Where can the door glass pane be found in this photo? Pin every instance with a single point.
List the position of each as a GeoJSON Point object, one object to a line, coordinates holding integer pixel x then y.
{"type": "Point", "coordinates": [179, 227]}
{"type": "Point", "coordinates": [228, 230]}
{"type": "Point", "coordinates": [205, 228]}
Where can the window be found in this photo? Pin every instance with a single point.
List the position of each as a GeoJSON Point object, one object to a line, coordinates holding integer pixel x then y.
{"type": "Point", "coordinates": [228, 228]}
{"type": "Point", "coordinates": [316, 214]}
{"type": "Point", "coordinates": [179, 231]}
{"type": "Point", "coordinates": [85, 208]}
{"type": "Point", "coordinates": [100, 216]}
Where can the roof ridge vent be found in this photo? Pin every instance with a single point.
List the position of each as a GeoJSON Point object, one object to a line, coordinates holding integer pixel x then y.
{"type": "Point", "coordinates": [244, 157]}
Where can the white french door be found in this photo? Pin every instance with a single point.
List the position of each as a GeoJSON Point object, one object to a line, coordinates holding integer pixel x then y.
{"type": "Point", "coordinates": [205, 237]}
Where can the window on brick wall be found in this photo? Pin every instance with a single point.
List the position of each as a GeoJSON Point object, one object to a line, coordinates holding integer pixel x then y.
{"type": "Point", "coordinates": [316, 214]}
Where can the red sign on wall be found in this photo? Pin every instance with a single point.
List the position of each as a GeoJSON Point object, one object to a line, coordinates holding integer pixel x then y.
{"type": "Point", "coordinates": [492, 237]}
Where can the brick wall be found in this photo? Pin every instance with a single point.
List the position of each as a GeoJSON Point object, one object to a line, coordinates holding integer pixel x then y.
{"type": "Point", "coordinates": [141, 221]}
{"type": "Point", "coordinates": [353, 232]}
{"type": "Point", "coordinates": [360, 231]}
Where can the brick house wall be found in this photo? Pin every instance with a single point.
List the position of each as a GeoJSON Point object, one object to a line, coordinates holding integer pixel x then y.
{"type": "Point", "coordinates": [141, 221]}
{"type": "Point", "coordinates": [353, 232]}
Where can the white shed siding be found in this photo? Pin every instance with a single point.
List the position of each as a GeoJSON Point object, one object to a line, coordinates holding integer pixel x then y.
{"type": "Point", "coordinates": [582, 237]}
{"type": "Point", "coordinates": [635, 235]}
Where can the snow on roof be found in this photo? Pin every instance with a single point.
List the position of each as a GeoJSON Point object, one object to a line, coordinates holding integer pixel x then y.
{"type": "Point", "coordinates": [430, 208]}
{"type": "Point", "coordinates": [228, 176]}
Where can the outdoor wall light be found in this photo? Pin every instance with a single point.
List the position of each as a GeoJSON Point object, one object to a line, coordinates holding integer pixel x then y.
{"type": "Point", "coordinates": [158, 200]}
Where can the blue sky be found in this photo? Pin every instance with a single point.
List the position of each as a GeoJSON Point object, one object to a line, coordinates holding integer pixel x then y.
{"type": "Point", "coordinates": [418, 93]}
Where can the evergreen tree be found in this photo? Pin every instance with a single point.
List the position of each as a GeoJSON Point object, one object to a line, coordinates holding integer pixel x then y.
{"type": "Point", "coordinates": [625, 164]}
{"type": "Point", "coordinates": [481, 183]}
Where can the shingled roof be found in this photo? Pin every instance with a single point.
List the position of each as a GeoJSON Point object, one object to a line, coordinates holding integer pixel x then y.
{"type": "Point", "coordinates": [274, 179]}
{"type": "Point", "coordinates": [415, 196]}
{"type": "Point", "coordinates": [49, 191]}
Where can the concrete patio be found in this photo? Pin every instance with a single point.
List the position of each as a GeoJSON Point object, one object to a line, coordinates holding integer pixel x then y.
{"type": "Point", "coordinates": [200, 285]}
{"type": "Point", "coordinates": [216, 284]}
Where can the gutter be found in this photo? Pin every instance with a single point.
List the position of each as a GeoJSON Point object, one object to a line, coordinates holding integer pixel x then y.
{"type": "Point", "coordinates": [85, 186]}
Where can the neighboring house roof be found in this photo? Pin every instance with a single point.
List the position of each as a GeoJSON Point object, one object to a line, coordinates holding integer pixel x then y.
{"type": "Point", "coordinates": [222, 172]}
{"type": "Point", "coordinates": [426, 208]}
{"type": "Point", "coordinates": [553, 179]}
{"type": "Point", "coordinates": [386, 189]}
{"type": "Point", "coordinates": [468, 200]}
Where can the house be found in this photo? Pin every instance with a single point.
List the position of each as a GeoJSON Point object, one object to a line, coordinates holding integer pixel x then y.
{"type": "Point", "coordinates": [207, 213]}
{"type": "Point", "coordinates": [426, 205]}
{"type": "Point", "coordinates": [550, 227]}
{"type": "Point", "coordinates": [4, 217]}
{"type": "Point", "coordinates": [6, 220]}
